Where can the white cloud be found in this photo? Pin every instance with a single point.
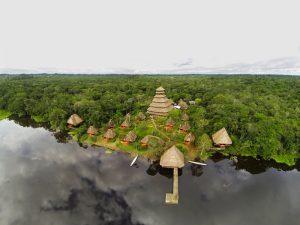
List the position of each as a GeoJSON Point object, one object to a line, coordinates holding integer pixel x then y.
{"type": "Point", "coordinates": [148, 36]}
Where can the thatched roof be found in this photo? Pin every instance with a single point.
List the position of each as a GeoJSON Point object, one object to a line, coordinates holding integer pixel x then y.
{"type": "Point", "coordinates": [92, 130]}
{"type": "Point", "coordinates": [152, 140]}
{"type": "Point", "coordinates": [160, 89]}
{"type": "Point", "coordinates": [145, 140]}
{"type": "Point", "coordinates": [189, 137]}
{"type": "Point", "coordinates": [170, 122]}
{"type": "Point", "coordinates": [172, 158]}
{"type": "Point", "coordinates": [128, 116]}
{"type": "Point", "coordinates": [160, 104]}
{"type": "Point", "coordinates": [126, 123]}
{"type": "Point", "coordinates": [109, 134]}
{"type": "Point", "coordinates": [141, 116]}
{"type": "Point", "coordinates": [221, 137]}
{"type": "Point", "coordinates": [111, 123]}
{"type": "Point", "coordinates": [184, 117]}
{"type": "Point", "coordinates": [185, 126]}
{"type": "Point", "coordinates": [130, 137]}
{"type": "Point", "coordinates": [74, 120]}
{"type": "Point", "coordinates": [182, 104]}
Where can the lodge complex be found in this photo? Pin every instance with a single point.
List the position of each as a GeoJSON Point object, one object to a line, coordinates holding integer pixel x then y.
{"type": "Point", "coordinates": [160, 136]}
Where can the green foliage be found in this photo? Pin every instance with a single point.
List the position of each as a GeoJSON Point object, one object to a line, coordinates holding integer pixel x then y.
{"type": "Point", "coordinates": [261, 113]}
{"type": "Point", "coordinates": [4, 114]}
{"type": "Point", "coordinates": [203, 142]}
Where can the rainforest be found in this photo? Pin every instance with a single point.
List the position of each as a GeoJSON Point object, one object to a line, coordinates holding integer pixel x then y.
{"type": "Point", "coordinates": [260, 113]}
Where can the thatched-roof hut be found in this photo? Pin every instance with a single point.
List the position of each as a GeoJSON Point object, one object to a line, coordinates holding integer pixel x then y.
{"type": "Point", "coordinates": [185, 117]}
{"type": "Point", "coordinates": [183, 105]}
{"type": "Point", "coordinates": [109, 134]}
{"type": "Point", "coordinates": [92, 130]}
{"type": "Point", "coordinates": [160, 105]}
{"type": "Point", "coordinates": [141, 116]}
{"type": "Point", "coordinates": [74, 120]}
{"type": "Point", "coordinates": [126, 123]}
{"type": "Point", "coordinates": [145, 140]}
{"type": "Point", "coordinates": [111, 124]}
{"type": "Point", "coordinates": [169, 123]}
{"type": "Point", "coordinates": [128, 116]}
{"type": "Point", "coordinates": [221, 138]}
{"type": "Point", "coordinates": [130, 137]}
{"type": "Point", "coordinates": [185, 126]}
{"type": "Point", "coordinates": [172, 158]}
{"type": "Point", "coordinates": [189, 138]}
{"type": "Point", "coordinates": [150, 140]}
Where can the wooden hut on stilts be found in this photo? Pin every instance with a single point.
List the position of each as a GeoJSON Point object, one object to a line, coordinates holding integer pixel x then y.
{"type": "Point", "coordinates": [221, 138]}
{"type": "Point", "coordinates": [169, 124]}
{"type": "Point", "coordinates": [74, 121]}
{"type": "Point", "coordinates": [183, 105]}
{"type": "Point", "coordinates": [184, 117]}
{"type": "Point", "coordinates": [140, 116]}
{"type": "Point", "coordinates": [173, 158]}
{"type": "Point", "coordinates": [111, 124]}
{"type": "Point", "coordinates": [129, 138]}
{"type": "Point", "coordinates": [109, 134]}
{"type": "Point", "coordinates": [184, 127]}
{"type": "Point", "coordinates": [189, 138]}
{"type": "Point", "coordinates": [91, 131]}
{"type": "Point", "coordinates": [126, 123]}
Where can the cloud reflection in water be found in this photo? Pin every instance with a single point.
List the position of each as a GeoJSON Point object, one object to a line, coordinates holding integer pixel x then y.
{"type": "Point", "coordinates": [45, 182]}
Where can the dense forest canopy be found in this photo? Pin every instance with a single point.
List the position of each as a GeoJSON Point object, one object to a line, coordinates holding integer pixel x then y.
{"type": "Point", "coordinates": [261, 113]}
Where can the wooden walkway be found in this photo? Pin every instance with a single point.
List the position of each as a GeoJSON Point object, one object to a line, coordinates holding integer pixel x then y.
{"type": "Point", "coordinates": [172, 198]}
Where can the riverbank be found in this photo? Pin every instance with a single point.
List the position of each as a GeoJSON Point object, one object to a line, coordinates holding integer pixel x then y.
{"type": "Point", "coordinates": [4, 114]}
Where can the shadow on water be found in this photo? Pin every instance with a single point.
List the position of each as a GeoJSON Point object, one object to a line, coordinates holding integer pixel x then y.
{"type": "Point", "coordinates": [253, 165]}
{"type": "Point", "coordinates": [27, 121]}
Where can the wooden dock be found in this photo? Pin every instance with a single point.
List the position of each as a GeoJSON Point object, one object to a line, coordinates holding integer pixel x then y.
{"type": "Point", "coordinates": [172, 198]}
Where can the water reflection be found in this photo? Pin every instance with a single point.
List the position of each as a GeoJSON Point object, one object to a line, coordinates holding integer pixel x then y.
{"type": "Point", "coordinates": [46, 182]}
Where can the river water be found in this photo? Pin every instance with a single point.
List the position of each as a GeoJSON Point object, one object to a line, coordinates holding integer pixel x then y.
{"type": "Point", "coordinates": [44, 181]}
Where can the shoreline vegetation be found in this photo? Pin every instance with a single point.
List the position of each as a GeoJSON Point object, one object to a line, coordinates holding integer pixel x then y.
{"type": "Point", "coordinates": [261, 113]}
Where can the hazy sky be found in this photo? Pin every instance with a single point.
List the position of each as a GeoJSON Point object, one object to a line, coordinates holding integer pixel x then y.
{"type": "Point", "coordinates": [149, 36]}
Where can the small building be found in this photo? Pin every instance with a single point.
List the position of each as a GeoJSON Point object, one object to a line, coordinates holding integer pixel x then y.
{"type": "Point", "coordinates": [128, 116]}
{"type": "Point", "coordinates": [173, 158]}
{"type": "Point", "coordinates": [109, 134]}
{"type": "Point", "coordinates": [126, 123]}
{"type": "Point", "coordinates": [111, 124]}
{"type": "Point", "coordinates": [151, 140]}
{"type": "Point", "coordinates": [140, 116]}
{"type": "Point", "coordinates": [130, 137]}
{"type": "Point", "coordinates": [91, 131]}
{"type": "Point", "coordinates": [183, 105]}
{"type": "Point", "coordinates": [160, 105]}
{"type": "Point", "coordinates": [145, 140]}
{"type": "Point", "coordinates": [74, 121]}
{"type": "Point", "coordinates": [189, 138]}
{"type": "Point", "coordinates": [185, 126]}
{"type": "Point", "coordinates": [169, 123]}
{"type": "Point", "coordinates": [185, 117]}
{"type": "Point", "coordinates": [221, 138]}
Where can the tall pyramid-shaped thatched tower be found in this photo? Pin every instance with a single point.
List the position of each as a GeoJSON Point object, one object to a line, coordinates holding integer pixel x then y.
{"type": "Point", "coordinates": [160, 105]}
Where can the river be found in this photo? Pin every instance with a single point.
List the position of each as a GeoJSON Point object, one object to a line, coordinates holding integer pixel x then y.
{"type": "Point", "coordinates": [44, 181]}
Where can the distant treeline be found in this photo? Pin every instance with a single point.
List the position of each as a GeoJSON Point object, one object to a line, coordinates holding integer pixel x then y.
{"type": "Point", "coordinates": [261, 113]}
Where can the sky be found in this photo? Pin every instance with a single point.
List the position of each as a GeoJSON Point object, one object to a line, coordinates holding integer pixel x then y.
{"type": "Point", "coordinates": [150, 36]}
